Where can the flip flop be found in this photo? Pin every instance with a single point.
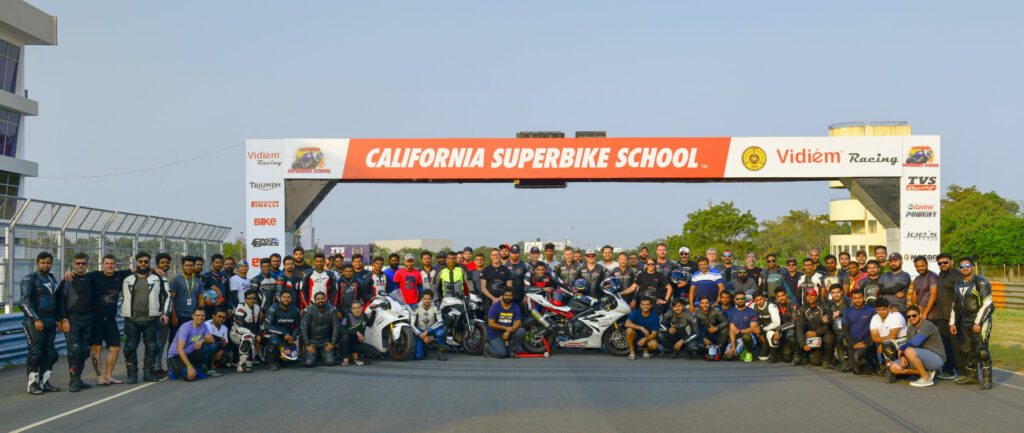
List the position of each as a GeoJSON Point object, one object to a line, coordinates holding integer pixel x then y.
{"type": "Point", "coordinates": [102, 383]}
{"type": "Point", "coordinates": [115, 382]}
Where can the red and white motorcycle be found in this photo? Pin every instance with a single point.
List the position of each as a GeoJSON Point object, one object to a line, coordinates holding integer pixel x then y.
{"type": "Point", "coordinates": [564, 318]}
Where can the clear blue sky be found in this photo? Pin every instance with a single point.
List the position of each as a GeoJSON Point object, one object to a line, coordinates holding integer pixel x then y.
{"type": "Point", "coordinates": [139, 84]}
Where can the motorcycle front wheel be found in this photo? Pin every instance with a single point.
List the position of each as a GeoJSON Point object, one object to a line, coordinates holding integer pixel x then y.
{"type": "Point", "coordinates": [534, 341]}
{"type": "Point", "coordinates": [401, 347]}
{"type": "Point", "coordinates": [475, 339]}
{"type": "Point", "coordinates": [614, 341]}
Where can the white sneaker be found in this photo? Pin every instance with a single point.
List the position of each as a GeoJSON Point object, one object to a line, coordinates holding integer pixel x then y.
{"type": "Point", "coordinates": [931, 376]}
{"type": "Point", "coordinates": [921, 383]}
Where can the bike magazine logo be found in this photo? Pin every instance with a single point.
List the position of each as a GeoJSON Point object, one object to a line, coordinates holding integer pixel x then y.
{"type": "Point", "coordinates": [754, 158]}
{"type": "Point", "coordinates": [309, 159]}
{"type": "Point", "coordinates": [264, 186]}
{"type": "Point", "coordinates": [921, 183]}
{"type": "Point", "coordinates": [265, 242]}
{"type": "Point", "coordinates": [264, 222]}
{"type": "Point", "coordinates": [916, 210]}
{"type": "Point", "coordinates": [265, 158]}
{"type": "Point", "coordinates": [920, 156]}
{"type": "Point", "coordinates": [257, 204]}
{"type": "Point", "coordinates": [922, 236]}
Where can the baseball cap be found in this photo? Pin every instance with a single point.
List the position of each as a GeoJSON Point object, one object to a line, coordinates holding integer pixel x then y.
{"type": "Point", "coordinates": [467, 250]}
{"type": "Point", "coordinates": [812, 291]}
{"type": "Point", "coordinates": [534, 250]}
{"type": "Point", "coordinates": [895, 256]}
{"type": "Point", "coordinates": [440, 255]}
{"type": "Point", "coordinates": [409, 257]}
{"type": "Point", "coordinates": [590, 252]}
{"type": "Point", "coordinates": [859, 252]}
{"type": "Point", "coordinates": [684, 250]}
{"type": "Point", "coordinates": [790, 260]}
{"type": "Point", "coordinates": [505, 246]}
{"type": "Point", "coordinates": [514, 249]}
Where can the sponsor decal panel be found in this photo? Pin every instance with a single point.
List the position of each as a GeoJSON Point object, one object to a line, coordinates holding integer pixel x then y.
{"type": "Point", "coordinates": [922, 183]}
{"type": "Point", "coordinates": [309, 160]}
{"type": "Point", "coordinates": [754, 158]}
{"type": "Point", "coordinates": [265, 158]}
{"type": "Point", "coordinates": [264, 221]}
{"type": "Point", "coordinates": [920, 156]}
{"type": "Point", "coordinates": [264, 186]}
{"type": "Point", "coordinates": [265, 242]}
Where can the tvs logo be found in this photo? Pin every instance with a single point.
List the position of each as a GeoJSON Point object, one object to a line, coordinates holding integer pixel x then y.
{"type": "Point", "coordinates": [264, 203]}
{"type": "Point", "coordinates": [264, 186]}
{"type": "Point", "coordinates": [921, 183]}
{"type": "Point", "coordinates": [920, 156]}
{"type": "Point", "coordinates": [754, 158]}
{"type": "Point", "coordinates": [921, 211]}
{"type": "Point", "coordinates": [265, 242]}
{"type": "Point", "coordinates": [309, 159]}
{"type": "Point", "coordinates": [922, 236]}
{"type": "Point", "coordinates": [265, 158]}
{"type": "Point", "coordinates": [264, 221]}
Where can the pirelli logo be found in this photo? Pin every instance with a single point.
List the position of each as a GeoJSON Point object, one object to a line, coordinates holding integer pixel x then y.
{"type": "Point", "coordinates": [265, 203]}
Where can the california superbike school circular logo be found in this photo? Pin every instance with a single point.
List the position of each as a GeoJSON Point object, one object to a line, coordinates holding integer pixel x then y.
{"type": "Point", "coordinates": [754, 158]}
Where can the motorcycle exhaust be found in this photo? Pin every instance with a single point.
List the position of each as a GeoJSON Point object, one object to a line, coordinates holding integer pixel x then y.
{"type": "Point", "coordinates": [540, 319]}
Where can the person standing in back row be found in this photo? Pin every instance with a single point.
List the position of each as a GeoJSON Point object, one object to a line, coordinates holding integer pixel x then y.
{"type": "Point", "coordinates": [76, 312]}
{"type": "Point", "coordinates": [146, 305]}
{"type": "Point", "coordinates": [971, 320]}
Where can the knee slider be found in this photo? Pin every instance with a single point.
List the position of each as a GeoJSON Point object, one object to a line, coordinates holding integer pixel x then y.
{"type": "Point", "coordinates": [246, 346]}
{"type": "Point", "coordinates": [984, 356]}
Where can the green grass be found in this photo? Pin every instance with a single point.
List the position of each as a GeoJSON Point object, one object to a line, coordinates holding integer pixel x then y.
{"type": "Point", "coordinates": [1007, 343]}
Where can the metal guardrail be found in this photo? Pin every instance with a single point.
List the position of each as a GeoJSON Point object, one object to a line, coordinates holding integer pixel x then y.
{"type": "Point", "coordinates": [13, 347]}
{"type": "Point", "coordinates": [1008, 295]}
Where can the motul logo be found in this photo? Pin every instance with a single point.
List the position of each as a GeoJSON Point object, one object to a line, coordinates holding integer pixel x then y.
{"type": "Point", "coordinates": [264, 221]}
{"type": "Point", "coordinates": [265, 203]}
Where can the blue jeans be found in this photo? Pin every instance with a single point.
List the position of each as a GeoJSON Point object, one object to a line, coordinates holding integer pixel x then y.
{"type": "Point", "coordinates": [421, 349]}
{"type": "Point", "coordinates": [496, 346]}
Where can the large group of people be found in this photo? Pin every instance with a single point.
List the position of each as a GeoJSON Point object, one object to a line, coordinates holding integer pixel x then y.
{"type": "Point", "coordinates": [851, 314]}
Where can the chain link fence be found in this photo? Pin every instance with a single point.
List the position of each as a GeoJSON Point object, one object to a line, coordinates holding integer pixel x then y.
{"type": "Point", "coordinates": [33, 226]}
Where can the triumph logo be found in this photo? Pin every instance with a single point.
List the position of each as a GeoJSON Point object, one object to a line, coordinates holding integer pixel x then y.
{"type": "Point", "coordinates": [265, 186]}
{"type": "Point", "coordinates": [265, 242]}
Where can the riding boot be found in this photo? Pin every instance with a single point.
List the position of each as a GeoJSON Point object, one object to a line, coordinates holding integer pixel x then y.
{"type": "Point", "coordinates": [46, 385]}
{"type": "Point", "coordinates": [986, 377]}
{"type": "Point", "coordinates": [440, 353]}
{"type": "Point", "coordinates": [970, 378]}
{"type": "Point", "coordinates": [33, 384]}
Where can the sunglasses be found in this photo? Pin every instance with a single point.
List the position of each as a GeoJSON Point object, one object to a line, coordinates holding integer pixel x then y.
{"type": "Point", "coordinates": [771, 261]}
{"type": "Point", "coordinates": [143, 261]}
{"type": "Point", "coordinates": [726, 255]}
{"type": "Point", "coordinates": [964, 266]}
{"type": "Point", "coordinates": [944, 262]}
{"type": "Point", "coordinates": [911, 316]}
{"type": "Point", "coordinates": [650, 264]}
{"type": "Point", "coordinates": [80, 263]}
{"type": "Point", "coordinates": [250, 298]}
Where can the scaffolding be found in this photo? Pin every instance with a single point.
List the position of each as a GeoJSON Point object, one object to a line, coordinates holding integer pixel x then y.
{"type": "Point", "coordinates": [33, 226]}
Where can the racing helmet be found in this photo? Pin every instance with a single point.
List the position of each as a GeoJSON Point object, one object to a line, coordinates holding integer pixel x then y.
{"type": "Point", "coordinates": [713, 353]}
{"type": "Point", "coordinates": [890, 350]}
{"type": "Point", "coordinates": [677, 276]}
{"type": "Point", "coordinates": [289, 353]}
{"type": "Point", "coordinates": [210, 295]}
{"type": "Point", "coordinates": [580, 285]}
{"type": "Point", "coordinates": [814, 342]}
{"type": "Point", "coordinates": [559, 297]}
{"type": "Point", "coordinates": [611, 285]}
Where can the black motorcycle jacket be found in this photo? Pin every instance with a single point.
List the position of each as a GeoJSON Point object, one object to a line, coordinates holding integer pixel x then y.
{"type": "Point", "coordinates": [685, 324]}
{"type": "Point", "coordinates": [594, 278]}
{"type": "Point", "coordinates": [566, 273]}
{"type": "Point", "coordinates": [39, 297]}
{"type": "Point", "coordinates": [809, 319]}
{"type": "Point", "coordinates": [973, 303]}
{"type": "Point", "coordinates": [320, 324]}
{"type": "Point", "coordinates": [348, 291]}
{"type": "Point", "coordinates": [350, 324]}
{"type": "Point", "coordinates": [266, 287]}
{"type": "Point", "coordinates": [281, 322]}
{"type": "Point", "coordinates": [713, 317]}
{"type": "Point", "coordinates": [76, 296]}
{"type": "Point", "coordinates": [768, 318]}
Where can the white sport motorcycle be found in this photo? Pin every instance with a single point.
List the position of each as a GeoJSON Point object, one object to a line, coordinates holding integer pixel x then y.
{"type": "Point", "coordinates": [576, 321]}
{"type": "Point", "coordinates": [390, 332]}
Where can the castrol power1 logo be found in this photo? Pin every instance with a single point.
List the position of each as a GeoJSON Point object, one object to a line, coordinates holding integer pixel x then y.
{"type": "Point", "coordinates": [536, 158]}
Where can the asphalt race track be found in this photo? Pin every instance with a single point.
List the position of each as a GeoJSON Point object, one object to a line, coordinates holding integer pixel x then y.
{"type": "Point", "coordinates": [569, 392]}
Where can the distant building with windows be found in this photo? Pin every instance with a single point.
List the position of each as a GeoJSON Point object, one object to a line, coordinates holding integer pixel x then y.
{"type": "Point", "coordinates": [21, 24]}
